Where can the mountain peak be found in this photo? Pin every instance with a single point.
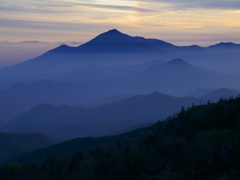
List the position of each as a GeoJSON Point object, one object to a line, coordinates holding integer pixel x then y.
{"type": "Point", "coordinates": [177, 61]}
{"type": "Point", "coordinates": [226, 43]}
{"type": "Point", "coordinates": [174, 64]}
{"type": "Point", "coordinates": [62, 48]}
{"type": "Point", "coordinates": [111, 36]}
{"type": "Point", "coordinates": [116, 41]}
{"type": "Point", "coordinates": [114, 31]}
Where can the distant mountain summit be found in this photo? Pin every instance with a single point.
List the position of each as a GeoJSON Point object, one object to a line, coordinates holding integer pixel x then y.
{"type": "Point", "coordinates": [115, 36]}
{"type": "Point", "coordinates": [176, 74]}
{"type": "Point", "coordinates": [116, 41]}
{"type": "Point", "coordinates": [174, 66]}
{"type": "Point", "coordinates": [62, 49]}
{"type": "Point", "coordinates": [177, 62]}
{"type": "Point", "coordinates": [111, 36]}
{"type": "Point", "coordinates": [225, 45]}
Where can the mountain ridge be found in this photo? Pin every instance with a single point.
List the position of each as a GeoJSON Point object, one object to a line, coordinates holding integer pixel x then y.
{"type": "Point", "coordinates": [225, 45]}
{"type": "Point", "coordinates": [99, 50]}
{"type": "Point", "coordinates": [73, 121]}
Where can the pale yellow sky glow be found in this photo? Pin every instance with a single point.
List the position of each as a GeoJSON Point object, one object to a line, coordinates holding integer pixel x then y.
{"type": "Point", "coordinates": [81, 20]}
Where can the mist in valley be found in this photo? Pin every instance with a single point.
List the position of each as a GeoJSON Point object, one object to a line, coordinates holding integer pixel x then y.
{"type": "Point", "coordinates": [90, 110]}
{"type": "Point", "coordinates": [138, 80]}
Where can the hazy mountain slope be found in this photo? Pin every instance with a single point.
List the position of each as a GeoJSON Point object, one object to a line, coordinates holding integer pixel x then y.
{"type": "Point", "coordinates": [174, 77]}
{"type": "Point", "coordinates": [101, 72]}
{"type": "Point", "coordinates": [220, 93]}
{"type": "Point", "coordinates": [176, 68]}
{"type": "Point", "coordinates": [198, 92]}
{"type": "Point", "coordinates": [177, 77]}
{"type": "Point", "coordinates": [225, 45]}
{"type": "Point", "coordinates": [115, 41]}
{"type": "Point", "coordinates": [78, 144]}
{"type": "Point", "coordinates": [222, 57]}
{"type": "Point", "coordinates": [205, 135]}
{"type": "Point", "coordinates": [68, 122]}
{"type": "Point", "coordinates": [12, 144]}
{"type": "Point", "coordinates": [47, 91]}
{"type": "Point", "coordinates": [21, 97]}
{"type": "Point", "coordinates": [109, 100]}
{"type": "Point", "coordinates": [114, 47]}
{"type": "Point", "coordinates": [9, 108]}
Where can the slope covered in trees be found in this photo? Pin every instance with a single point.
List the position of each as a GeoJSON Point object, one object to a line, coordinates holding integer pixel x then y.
{"type": "Point", "coordinates": [202, 142]}
{"type": "Point", "coordinates": [13, 144]}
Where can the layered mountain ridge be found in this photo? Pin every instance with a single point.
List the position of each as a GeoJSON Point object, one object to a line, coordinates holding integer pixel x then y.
{"type": "Point", "coordinates": [99, 50]}
{"type": "Point", "coordinates": [67, 122]}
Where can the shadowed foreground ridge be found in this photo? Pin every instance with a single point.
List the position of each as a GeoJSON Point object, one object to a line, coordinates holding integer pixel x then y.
{"type": "Point", "coordinates": [13, 144]}
{"type": "Point", "coordinates": [201, 142]}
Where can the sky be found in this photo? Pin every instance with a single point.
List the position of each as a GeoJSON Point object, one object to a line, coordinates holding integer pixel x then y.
{"type": "Point", "coordinates": [181, 22]}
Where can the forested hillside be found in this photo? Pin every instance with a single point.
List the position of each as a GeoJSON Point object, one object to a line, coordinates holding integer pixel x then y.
{"type": "Point", "coordinates": [201, 142]}
{"type": "Point", "coordinates": [13, 144]}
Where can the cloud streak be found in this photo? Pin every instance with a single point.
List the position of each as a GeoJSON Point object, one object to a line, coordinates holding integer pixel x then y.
{"type": "Point", "coordinates": [200, 4]}
{"type": "Point", "coordinates": [68, 7]}
{"type": "Point", "coordinates": [41, 25]}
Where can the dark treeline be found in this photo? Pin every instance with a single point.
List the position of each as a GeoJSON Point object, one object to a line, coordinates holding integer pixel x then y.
{"type": "Point", "coordinates": [201, 142]}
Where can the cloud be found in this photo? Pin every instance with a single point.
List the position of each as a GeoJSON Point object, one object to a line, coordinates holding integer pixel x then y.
{"type": "Point", "coordinates": [42, 25]}
{"type": "Point", "coordinates": [66, 7]}
{"type": "Point", "coordinates": [202, 4]}
{"type": "Point", "coordinates": [60, 20]}
{"type": "Point", "coordinates": [19, 30]}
